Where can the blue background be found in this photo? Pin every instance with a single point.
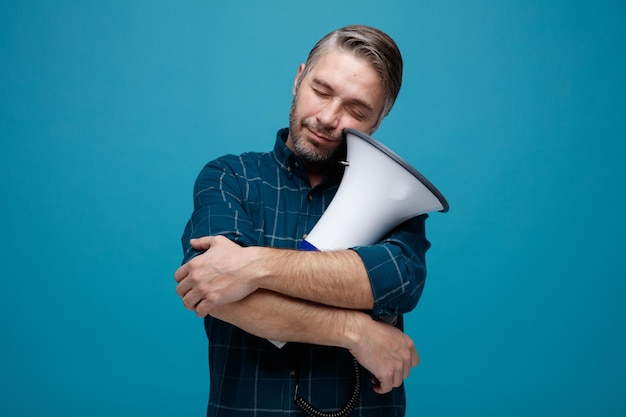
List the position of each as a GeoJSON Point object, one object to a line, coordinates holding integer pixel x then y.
{"type": "Point", "coordinates": [515, 110]}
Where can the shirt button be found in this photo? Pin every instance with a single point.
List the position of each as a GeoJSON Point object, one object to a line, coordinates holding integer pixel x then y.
{"type": "Point", "coordinates": [310, 197]}
{"type": "Point", "coordinates": [288, 169]}
{"type": "Point", "coordinates": [296, 164]}
{"type": "Point", "coordinates": [304, 235]}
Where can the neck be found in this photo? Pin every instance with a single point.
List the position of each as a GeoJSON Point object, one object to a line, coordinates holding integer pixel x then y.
{"type": "Point", "coordinates": [315, 179]}
{"type": "Point", "coordinates": [315, 173]}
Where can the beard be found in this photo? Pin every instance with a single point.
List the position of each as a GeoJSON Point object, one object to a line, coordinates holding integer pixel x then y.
{"type": "Point", "coordinates": [308, 151]}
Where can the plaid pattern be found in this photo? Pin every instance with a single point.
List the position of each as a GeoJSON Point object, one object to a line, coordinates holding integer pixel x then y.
{"type": "Point", "coordinates": [265, 199]}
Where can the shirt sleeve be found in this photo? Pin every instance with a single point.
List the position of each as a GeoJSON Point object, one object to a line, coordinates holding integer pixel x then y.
{"type": "Point", "coordinates": [397, 268]}
{"type": "Point", "coordinates": [218, 201]}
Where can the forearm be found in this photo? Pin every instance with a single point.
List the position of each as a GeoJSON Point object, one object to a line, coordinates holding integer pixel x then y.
{"type": "Point", "coordinates": [336, 278]}
{"type": "Point", "coordinates": [274, 316]}
{"type": "Point", "coordinates": [382, 349]}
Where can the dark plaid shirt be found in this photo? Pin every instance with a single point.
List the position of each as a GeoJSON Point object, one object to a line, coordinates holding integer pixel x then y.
{"type": "Point", "coordinates": [264, 199]}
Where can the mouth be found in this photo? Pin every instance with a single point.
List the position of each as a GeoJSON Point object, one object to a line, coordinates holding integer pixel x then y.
{"type": "Point", "coordinates": [320, 138]}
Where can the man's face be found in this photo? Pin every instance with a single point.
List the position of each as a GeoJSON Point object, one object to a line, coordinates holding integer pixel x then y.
{"type": "Point", "coordinates": [340, 91]}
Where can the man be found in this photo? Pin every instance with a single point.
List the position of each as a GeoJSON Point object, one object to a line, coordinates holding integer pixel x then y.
{"type": "Point", "coordinates": [241, 272]}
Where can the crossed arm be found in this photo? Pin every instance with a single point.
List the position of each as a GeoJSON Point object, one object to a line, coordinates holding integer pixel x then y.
{"type": "Point", "coordinates": [227, 272]}
{"type": "Point", "coordinates": [235, 283]}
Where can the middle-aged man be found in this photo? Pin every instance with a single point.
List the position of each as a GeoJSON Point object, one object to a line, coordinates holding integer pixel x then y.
{"type": "Point", "coordinates": [241, 271]}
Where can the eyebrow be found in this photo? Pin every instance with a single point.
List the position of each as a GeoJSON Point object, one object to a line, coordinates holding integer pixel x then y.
{"type": "Point", "coordinates": [356, 101]}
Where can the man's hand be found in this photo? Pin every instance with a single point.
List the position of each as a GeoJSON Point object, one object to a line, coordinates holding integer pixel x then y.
{"type": "Point", "coordinates": [219, 276]}
{"type": "Point", "coordinates": [386, 352]}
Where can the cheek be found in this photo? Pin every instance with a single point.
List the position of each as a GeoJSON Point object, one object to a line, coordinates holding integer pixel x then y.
{"type": "Point", "coordinates": [308, 103]}
{"type": "Point", "coordinates": [308, 106]}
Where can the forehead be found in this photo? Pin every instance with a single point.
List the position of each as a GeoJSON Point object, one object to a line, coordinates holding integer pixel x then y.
{"type": "Point", "coordinates": [349, 76]}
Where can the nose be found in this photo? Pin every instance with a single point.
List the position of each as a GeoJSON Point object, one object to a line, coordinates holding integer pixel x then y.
{"type": "Point", "coordinates": [329, 114]}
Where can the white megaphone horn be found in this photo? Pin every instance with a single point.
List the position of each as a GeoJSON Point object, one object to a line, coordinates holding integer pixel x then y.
{"type": "Point", "coordinates": [379, 191]}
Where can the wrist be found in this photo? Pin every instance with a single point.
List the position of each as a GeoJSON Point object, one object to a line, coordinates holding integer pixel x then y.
{"type": "Point", "coordinates": [259, 264]}
{"type": "Point", "coordinates": [353, 329]}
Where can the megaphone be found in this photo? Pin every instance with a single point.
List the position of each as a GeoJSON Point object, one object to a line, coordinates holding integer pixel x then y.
{"type": "Point", "coordinates": [379, 191]}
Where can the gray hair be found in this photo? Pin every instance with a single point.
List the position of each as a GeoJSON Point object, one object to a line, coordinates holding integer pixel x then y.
{"type": "Point", "coordinates": [368, 43]}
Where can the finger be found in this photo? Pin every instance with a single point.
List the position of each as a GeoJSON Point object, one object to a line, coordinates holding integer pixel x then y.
{"type": "Point", "coordinates": [202, 309]}
{"type": "Point", "coordinates": [410, 364]}
{"type": "Point", "coordinates": [191, 300]}
{"type": "Point", "coordinates": [201, 243]}
{"type": "Point", "coordinates": [383, 386]}
{"type": "Point", "coordinates": [399, 378]}
{"type": "Point", "coordinates": [183, 288]}
{"type": "Point", "coordinates": [415, 359]}
{"type": "Point", "coordinates": [181, 273]}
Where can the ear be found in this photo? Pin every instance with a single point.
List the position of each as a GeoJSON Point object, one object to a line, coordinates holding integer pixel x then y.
{"type": "Point", "coordinates": [296, 81]}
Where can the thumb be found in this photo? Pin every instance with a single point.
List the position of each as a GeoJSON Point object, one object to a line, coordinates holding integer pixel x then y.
{"type": "Point", "coordinates": [202, 243]}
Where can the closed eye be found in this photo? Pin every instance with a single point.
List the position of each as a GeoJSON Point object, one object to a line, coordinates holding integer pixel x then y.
{"type": "Point", "coordinates": [357, 108]}
{"type": "Point", "coordinates": [321, 93]}
{"type": "Point", "coordinates": [357, 113]}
